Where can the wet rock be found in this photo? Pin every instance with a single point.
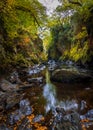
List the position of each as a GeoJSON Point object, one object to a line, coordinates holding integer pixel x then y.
{"type": "Point", "coordinates": [52, 65]}
{"type": "Point", "coordinates": [67, 126]}
{"type": "Point", "coordinates": [36, 69]}
{"type": "Point", "coordinates": [69, 105]}
{"type": "Point", "coordinates": [24, 86]}
{"type": "Point", "coordinates": [87, 119]}
{"type": "Point", "coordinates": [69, 63]}
{"type": "Point", "coordinates": [24, 128]}
{"type": "Point", "coordinates": [7, 86]}
{"type": "Point", "coordinates": [14, 78]}
{"type": "Point", "coordinates": [1, 93]}
{"type": "Point", "coordinates": [12, 99]}
{"type": "Point", "coordinates": [35, 80]}
{"type": "Point", "coordinates": [65, 119]}
{"type": "Point", "coordinates": [38, 118]}
{"type": "Point", "coordinates": [70, 76]}
{"type": "Point", "coordinates": [14, 117]}
{"type": "Point", "coordinates": [25, 125]}
{"type": "Point", "coordinates": [24, 110]}
{"type": "Point", "coordinates": [2, 100]}
{"type": "Point", "coordinates": [22, 72]}
{"type": "Point", "coordinates": [89, 115]}
{"type": "Point", "coordinates": [68, 122]}
{"type": "Point", "coordinates": [25, 107]}
{"type": "Point", "coordinates": [82, 105]}
{"type": "Point", "coordinates": [4, 127]}
{"type": "Point", "coordinates": [60, 110]}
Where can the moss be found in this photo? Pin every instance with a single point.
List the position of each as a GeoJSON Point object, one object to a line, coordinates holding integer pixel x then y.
{"type": "Point", "coordinates": [77, 53]}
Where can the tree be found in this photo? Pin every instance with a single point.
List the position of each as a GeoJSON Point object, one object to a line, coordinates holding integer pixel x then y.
{"type": "Point", "coordinates": [19, 22]}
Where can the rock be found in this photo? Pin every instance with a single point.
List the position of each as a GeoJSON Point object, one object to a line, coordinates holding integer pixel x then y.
{"type": "Point", "coordinates": [14, 117]}
{"type": "Point", "coordinates": [35, 80]}
{"type": "Point", "coordinates": [2, 100]}
{"type": "Point", "coordinates": [24, 86]}
{"type": "Point", "coordinates": [89, 115]}
{"type": "Point", "coordinates": [70, 76]}
{"type": "Point", "coordinates": [52, 65]}
{"type": "Point", "coordinates": [4, 127]}
{"type": "Point", "coordinates": [7, 86]}
{"type": "Point", "coordinates": [83, 105]}
{"type": "Point", "coordinates": [38, 118]}
{"type": "Point", "coordinates": [65, 119]}
{"type": "Point", "coordinates": [25, 107]}
{"type": "Point", "coordinates": [69, 105]}
{"type": "Point", "coordinates": [87, 119]}
{"type": "Point", "coordinates": [24, 110]}
{"type": "Point", "coordinates": [14, 78]}
{"type": "Point", "coordinates": [25, 125]}
{"type": "Point", "coordinates": [36, 69]}
{"type": "Point", "coordinates": [12, 99]}
{"type": "Point", "coordinates": [1, 93]}
{"type": "Point", "coordinates": [67, 122]}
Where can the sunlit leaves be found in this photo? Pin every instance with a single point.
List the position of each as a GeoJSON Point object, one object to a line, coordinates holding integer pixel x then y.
{"type": "Point", "coordinates": [19, 22]}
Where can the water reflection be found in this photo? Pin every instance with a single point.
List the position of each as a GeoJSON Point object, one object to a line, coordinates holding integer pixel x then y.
{"type": "Point", "coordinates": [66, 109]}
{"type": "Point", "coordinates": [49, 93]}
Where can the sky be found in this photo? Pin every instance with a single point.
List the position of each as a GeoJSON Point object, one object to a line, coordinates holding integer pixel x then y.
{"type": "Point", "coordinates": [50, 4]}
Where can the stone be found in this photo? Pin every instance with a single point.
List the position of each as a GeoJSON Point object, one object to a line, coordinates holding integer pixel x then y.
{"type": "Point", "coordinates": [12, 99]}
{"type": "Point", "coordinates": [25, 107]}
{"type": "Point", "coordinates": [14, 78]}
{"type": "Point", "coordinates": [4, 127]}
{"type": "Point", "coordinates": [35, 80]}
{"type": "Point", "coordinates": [70, 76]}
{"type": "Point", "coordinates": [7, 86]}
{"type": "Point", "coordinates": [24, 110]}
{"type": "Point", "coordinates": [38, 118]}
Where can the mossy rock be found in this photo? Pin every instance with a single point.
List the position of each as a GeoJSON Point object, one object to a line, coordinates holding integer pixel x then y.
{"type": "Point", "coordinates": [70, 76]}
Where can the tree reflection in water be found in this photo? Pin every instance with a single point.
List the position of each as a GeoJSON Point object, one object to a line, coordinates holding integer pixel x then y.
{"type": "Point", "coordinates": [49, 93]}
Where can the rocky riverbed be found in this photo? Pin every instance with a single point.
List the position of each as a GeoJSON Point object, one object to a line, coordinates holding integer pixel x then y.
{"type": "Point", "coordinates": [30, 101]}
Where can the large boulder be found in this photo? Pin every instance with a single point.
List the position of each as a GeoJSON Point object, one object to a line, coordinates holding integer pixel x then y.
{"type": "Point", "coordinates": [70, 76]}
